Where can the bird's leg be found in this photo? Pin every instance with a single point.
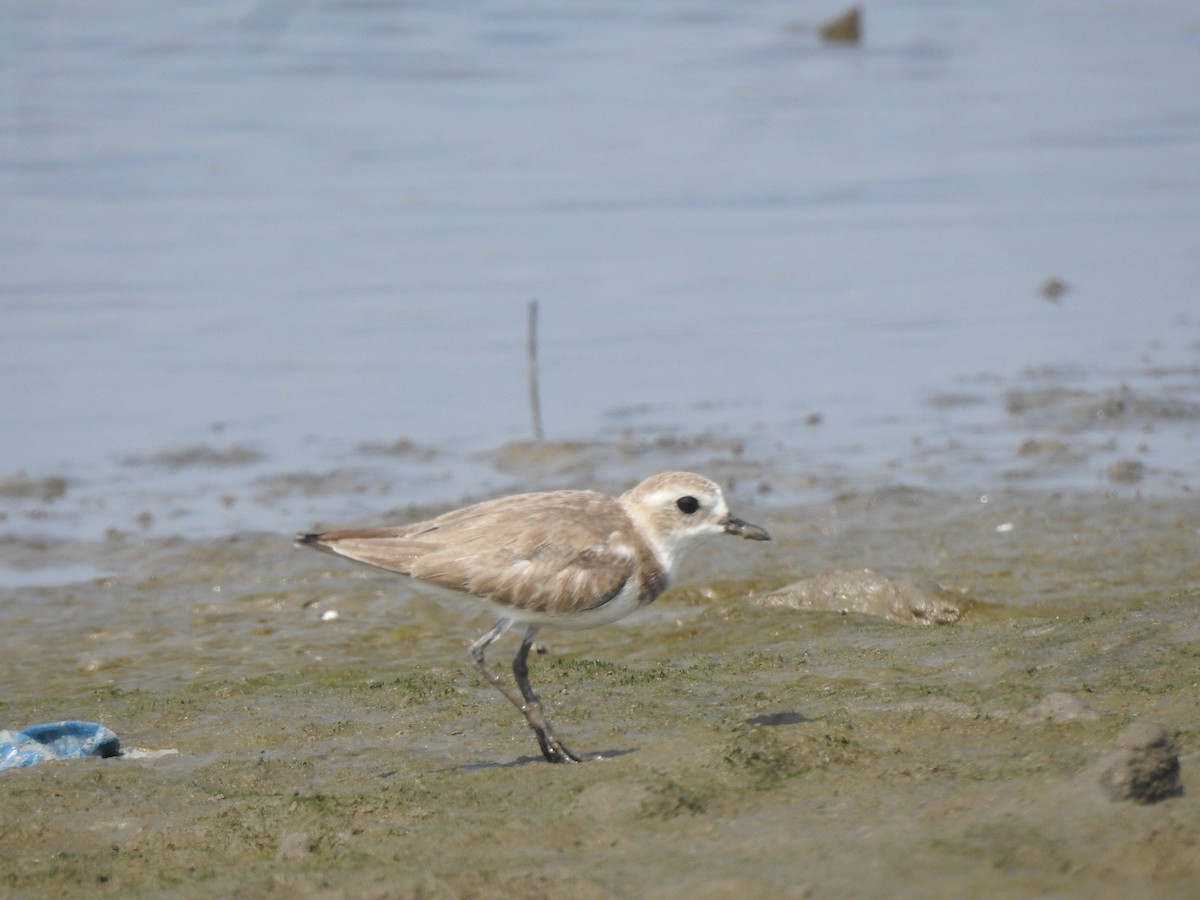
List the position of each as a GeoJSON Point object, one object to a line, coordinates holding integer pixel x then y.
{"type": "Point", "coordinates": [477, 657]}
{"type": "Point", "coordinates": [526, 701]}
{"type": "Point", "coordinates": [552, 748]}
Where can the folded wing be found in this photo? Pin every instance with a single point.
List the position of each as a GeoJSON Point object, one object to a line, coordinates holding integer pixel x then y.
{"type": "Point", "coordinates": [521, 552]}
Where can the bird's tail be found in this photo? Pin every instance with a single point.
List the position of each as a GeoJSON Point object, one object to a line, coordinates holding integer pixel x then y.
{"type": "Point", "coordinates": [312, 539]}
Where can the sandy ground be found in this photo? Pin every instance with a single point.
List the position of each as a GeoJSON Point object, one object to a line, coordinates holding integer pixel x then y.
{"type": "Point", "coordinates": [747, 751]}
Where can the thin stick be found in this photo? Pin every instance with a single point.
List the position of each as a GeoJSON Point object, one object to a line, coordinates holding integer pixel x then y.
{"type": "Point", "coordinates": [535, 402]}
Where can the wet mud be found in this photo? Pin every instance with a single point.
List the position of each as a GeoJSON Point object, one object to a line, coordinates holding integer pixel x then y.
{"type": "Point", "coordinates": [332, 739]}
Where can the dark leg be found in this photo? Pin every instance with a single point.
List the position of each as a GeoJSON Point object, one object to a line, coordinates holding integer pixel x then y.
{"type": "Point", "coordinates": [552, 748]}
{"type": "Point", "coordinates": [527, 701]}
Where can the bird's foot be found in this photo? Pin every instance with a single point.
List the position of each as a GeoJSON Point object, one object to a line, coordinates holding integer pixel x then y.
{"type": "Point", "coordinates": [553, 749]}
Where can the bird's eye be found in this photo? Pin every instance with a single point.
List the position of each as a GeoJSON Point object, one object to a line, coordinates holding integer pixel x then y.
{"type": "Point", "coordinates": [687, 505]}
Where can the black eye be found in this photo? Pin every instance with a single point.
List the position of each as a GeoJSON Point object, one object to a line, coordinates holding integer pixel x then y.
{"type": "Point", "coordinates": [687, 505]}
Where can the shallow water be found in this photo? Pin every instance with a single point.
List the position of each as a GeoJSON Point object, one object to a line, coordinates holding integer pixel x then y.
{"type": "Point", "coordinates": [243, 241]}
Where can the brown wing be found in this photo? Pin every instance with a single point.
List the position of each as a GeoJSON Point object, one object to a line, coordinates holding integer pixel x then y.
{"type": "Point", "coordinates": [553, 552]}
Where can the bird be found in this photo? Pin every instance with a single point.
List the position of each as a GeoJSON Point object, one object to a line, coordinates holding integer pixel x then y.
{"type": "Point", "coordinates": [571, 559]}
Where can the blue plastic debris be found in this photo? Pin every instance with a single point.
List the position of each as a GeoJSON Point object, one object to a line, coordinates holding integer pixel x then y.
{"type": "Point", "coordinates": [56, 740]}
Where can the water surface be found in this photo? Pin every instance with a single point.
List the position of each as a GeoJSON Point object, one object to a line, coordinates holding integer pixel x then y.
{"type": "Point", "coordinates": [298, 228]}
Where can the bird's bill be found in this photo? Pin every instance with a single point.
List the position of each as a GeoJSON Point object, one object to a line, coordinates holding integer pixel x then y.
{"type": "Point", "coordinates": [745, 530]}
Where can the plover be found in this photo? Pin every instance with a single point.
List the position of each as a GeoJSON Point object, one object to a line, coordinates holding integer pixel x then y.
{"type": "Point", "coordinates": [569, 559]}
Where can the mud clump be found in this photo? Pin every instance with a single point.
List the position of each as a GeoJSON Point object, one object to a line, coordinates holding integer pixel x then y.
{"type": "Point", "coordinates": [1058, 707]}
{"type": "Point", "coordinates": [401, 447]}
{"type": "Point", "coordinates": [22, 487]}
{"type": "Point", "coordinates": [199, 456]}
{"type": "Point", "coordinates": [845, 28]}
{"type": "Point", "coordinates": [1075, 410]}
{"type": "Point", "coordinates": [1143, 769]}
{"type": "Point", "coordinates": [294, 845]}
{"type": "Point", "coordinates": [863, 591]}
{"type": "Point", "coordinates": [1126, 471]}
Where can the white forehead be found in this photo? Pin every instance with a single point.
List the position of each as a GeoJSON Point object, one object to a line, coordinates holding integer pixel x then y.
{"type": "Point", "coordinates": [654, 507]}
{"type": "Point", "coordinates": [670, 486]}
{"type": "Point", "coordinates": [709, 495]}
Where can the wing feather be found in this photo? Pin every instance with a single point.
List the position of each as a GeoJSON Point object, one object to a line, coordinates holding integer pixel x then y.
{"type": "Point", "coordinates": [563, 551]}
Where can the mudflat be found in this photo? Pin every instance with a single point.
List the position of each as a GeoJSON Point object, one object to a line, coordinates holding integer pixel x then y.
{"type": "Point", "coordinates": [331, 738]}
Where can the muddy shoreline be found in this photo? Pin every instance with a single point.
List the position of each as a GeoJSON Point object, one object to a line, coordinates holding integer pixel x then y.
{"type": "Point", "coordinates": [750, 751]}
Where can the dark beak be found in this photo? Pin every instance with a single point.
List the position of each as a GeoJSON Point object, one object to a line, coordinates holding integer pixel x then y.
{"type": "Point", "coordinates": [745, 529]}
